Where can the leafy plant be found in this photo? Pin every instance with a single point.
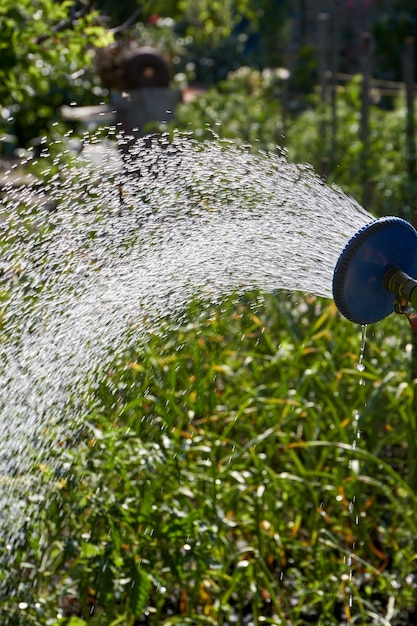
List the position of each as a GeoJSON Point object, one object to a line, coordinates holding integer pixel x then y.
{"type": "Point", "coordinates": [241, 465]}
{"type": "Point", "coordinates": [45, 52]}
{"type": "Point", "coordinates": [244, 107]}
{"type": "Point", "coordinates": [379, 164]}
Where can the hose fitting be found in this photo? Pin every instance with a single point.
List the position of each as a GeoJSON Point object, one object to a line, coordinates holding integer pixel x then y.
{"type": "Point", "coordinates": [399, 282]}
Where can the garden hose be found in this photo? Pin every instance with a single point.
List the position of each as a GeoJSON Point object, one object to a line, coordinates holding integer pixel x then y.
{"type": "Point", "coordinates": [374, 274]}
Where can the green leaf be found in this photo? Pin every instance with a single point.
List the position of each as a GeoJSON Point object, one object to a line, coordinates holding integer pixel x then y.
{"type": "Point", "coordinates": [140, 589]}
{"type": "Point", "coordinates": [76, 621]}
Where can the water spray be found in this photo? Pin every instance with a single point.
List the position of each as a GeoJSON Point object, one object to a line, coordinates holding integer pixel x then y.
{"type": "Point", "coordinates": [374, 275]}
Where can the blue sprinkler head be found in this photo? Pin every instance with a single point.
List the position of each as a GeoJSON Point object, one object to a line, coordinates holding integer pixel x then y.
{"type": "Point", "coordinates": [373, 275]}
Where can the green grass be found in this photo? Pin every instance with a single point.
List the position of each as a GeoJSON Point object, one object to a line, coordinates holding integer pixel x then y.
{"type": "Point", "coordinates": [220, 476]}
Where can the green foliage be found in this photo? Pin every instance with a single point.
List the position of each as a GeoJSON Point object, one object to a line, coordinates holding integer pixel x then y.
{"type": "Point", "coordinates": [245, 107]}
{"type": "Point", "coordinates": [239, 465]}
{"type": "Point", "coordinates": [43, 47]}
{"type": "Point", "coordinates": [214, 38]}
{"type": "Point", "coordinates": [317, 138]}
{"type": "Point", "coordinates": [249, 107]}
{"type": "Point", "coordinates": [207, 20]}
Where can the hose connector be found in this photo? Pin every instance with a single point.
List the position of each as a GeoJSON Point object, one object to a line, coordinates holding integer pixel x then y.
{"type": "Point", "coordinates": [404, 286]}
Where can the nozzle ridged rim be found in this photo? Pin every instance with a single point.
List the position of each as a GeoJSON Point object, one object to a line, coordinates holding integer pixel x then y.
{"type": "Point", "coordinates": [358, 280]}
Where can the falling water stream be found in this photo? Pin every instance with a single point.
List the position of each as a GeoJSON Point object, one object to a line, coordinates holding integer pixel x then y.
{"type": "Point", "coordinates": [355, 466]}
{"type": "Point", "coordinates": [97, 255]}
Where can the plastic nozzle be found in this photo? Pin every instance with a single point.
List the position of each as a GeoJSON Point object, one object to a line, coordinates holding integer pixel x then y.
{"type": "Point", "coordinates": [374, 271]}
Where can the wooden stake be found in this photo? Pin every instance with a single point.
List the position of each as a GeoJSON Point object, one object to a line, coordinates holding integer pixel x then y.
{"type": "Point", "coordinates": [409, 77]}
{"type": "Point", "coordinates": [335, 68]}
{"type": "Point", "coordinates": [364, 127]}
{"type": "Point", "coordinates": [323, 22]}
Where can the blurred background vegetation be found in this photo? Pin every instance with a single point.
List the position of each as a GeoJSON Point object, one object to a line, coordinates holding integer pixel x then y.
{"type": "Point", "coordinates": [242, 470]}
{"type": "Point", "coordinates": [274, 73]}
